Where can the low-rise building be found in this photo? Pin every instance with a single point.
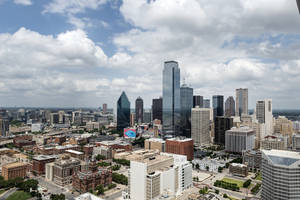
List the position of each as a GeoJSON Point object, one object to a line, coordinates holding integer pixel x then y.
{"type": "Point", "coordinates": [252, 159]}
{"type": "Point", "coordinates": [14, 170]}
{"type": "Point", "coordinates": [275, 142]}
{"type": "Point", "coordinates": [76, 154]}
{"type": "Point", "coordinates": [39, 162]}
{"type": "Point", "coordinates": [102, 150]}
{"type": "Point", "coordinates": [155, 143]}
{"type": "Point", "coordinates": [237, 169]}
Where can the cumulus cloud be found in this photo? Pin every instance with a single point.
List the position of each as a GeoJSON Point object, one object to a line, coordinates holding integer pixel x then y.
{"type": "Point", "coordinates": [23, 2]}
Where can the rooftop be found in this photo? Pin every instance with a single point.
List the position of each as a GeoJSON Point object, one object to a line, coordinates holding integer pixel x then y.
{"type": "Point", "coordinates": [156, 140]}
{"type": "Point", "coordinates": [178, 139]}
{"type": "Point", "coordinates": [281, 157]}
{"type": "Point", "coordinates": [75, 152]}
{"type": "Point", "coordinates": [43, 157]}
{"type": "Point", "coordinates": [17, 164]}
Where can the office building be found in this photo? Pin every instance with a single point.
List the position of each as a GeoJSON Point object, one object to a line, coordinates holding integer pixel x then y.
{"type": "Point", "coordinates": [280, 175]}
{"type": "Point", "coordinates": [104, 108]}
{"type": "Point", "coordinates": [14, 170]}
{"type": "Point", "coordinates": [241, 101]}
{"type": "Point", "coordinates": [171, 98]}
{"type": "Point", "coordinates": [84, 181]}
{"type": "Point", "coordinates": [197, 101]}
{"type": "Point", "coordinates": [222, 124]}
{"type": "Point", "coordinates": [229, 107]}
{"type": "Point", "coordinates": [132, 119]}
{"type": "Point", "coordinates": [284, 126]}
{"type": "Point", "coordinates": [157, 110]}
{"type": "Point", "coordinates": [186, 105]}
{"type": "Point", "coordinates": [39, 162]}
{"type": "Point", "coordinates": [181, 146]}
{"type": "Point", "coordinates": [4, 127]}
{"type": "Point", "coordinates": [54, 118]}
{"type": "Point", "coordinates": [206, 103]}
{"type": "Point", "coordinates": [252, 159]}
{"type": "Point", "coordinates": [264, 116]}
{"type": "Point", "coordinates": [123, 112]}
{"type": "Point", "coordinates": [201, 126]}
{"type": "Point", "coordinates": [155, 144]}
{"type": "Point", "coordinates": [153, 177]}
{"type": "Point", "coordinates": [296, 142]}
{"type": "Point", "coordinates": [238, 169]}
{"type": "Point", "coordinates": [240, 139]}
{"type": "Point", "coordinates": [275, 142]}
{"type": "Point", "coordinates": [218, 105]}
{"type": "Point", "coordinates": [61, 117]}
{"type": "Point", "coordinates": [139, 110]}
{"type": "Point", "coordinates": [147, 116]}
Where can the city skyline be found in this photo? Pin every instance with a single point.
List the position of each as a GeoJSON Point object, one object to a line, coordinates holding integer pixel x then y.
{"type": "Point", "coordinates": [83, 54]}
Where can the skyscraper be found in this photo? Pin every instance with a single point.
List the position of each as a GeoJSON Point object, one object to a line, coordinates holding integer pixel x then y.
{"type": "Point", "coordinates": [171, 98]}
{"type": "Point", "coordinates": [123, 112]}
{"type": "Point", "coordinates": [157, 105]}
{"type": "Point", "coordinates": [264, 115]}
{"type": "Point", "coordinates": [104, 108]}
{"type": "Point", "coordinates": [201, 125]}
{"type": "Point", "coordinates": [198, 101]}
{"type": "Point", "coordinates": [222, 124]}
{"type": "Point", "coordinates": [218, 105]}
{"type": "Point", "coordinates": [4, 127]}
{"type": "Point", "coordinates": [241, 101]}
{"type": "Point", "coordinates": [229, 107]}
{"type": "Point", "coordinates": [186, 104]}
{"type": "Point", "coordinates": [206, 103]}
{"type": "Point", "coordinates": [139, 110]}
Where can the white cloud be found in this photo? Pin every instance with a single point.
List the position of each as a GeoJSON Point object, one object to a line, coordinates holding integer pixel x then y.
{"type": "Point", "coordinates": [23, 2]}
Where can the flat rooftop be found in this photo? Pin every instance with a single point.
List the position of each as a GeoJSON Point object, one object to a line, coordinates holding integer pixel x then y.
{"type": "Point", "coordinates": [75, 152]}
{"type": "Point", "coordinates": [43, 157]}
{"type": "Point", "coordinates": [13, 165]}
{"type": "Point", "coordinates": [156, 140]}
{"type": "Point", "coordinates": [180, 139]}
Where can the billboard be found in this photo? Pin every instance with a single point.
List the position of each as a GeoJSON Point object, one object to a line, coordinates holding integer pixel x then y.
{"type": "Point", "coordinates": [129, 133]}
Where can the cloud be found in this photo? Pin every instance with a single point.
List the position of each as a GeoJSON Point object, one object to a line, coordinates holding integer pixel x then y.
{"type": "Point", "coordinates": [23, 2]}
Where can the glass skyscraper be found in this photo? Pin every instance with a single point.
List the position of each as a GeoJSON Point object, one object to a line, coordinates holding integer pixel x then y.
{"type": "Point", "coordinates": [123, 112]}
{"type": "Point", "coordinates": [157, 109]}
{"type": "Point", "coordinates": [171, 98]}
{"type": "Point", "coordinates": [218, 105]}
{"type": "Point", "coordinates": [186, 103]}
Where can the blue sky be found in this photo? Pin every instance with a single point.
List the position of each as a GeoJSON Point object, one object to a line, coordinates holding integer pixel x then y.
{"type": "Point", "coordinates": [86, 52]}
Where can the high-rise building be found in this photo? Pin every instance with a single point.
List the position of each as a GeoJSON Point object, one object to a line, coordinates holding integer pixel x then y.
{"type": "Point", "coordinates": [241, 101]}
{"type": "Point", "coordinates": [201, 126]}
{"type": "Point", "coordinates": [197, 101]}
{"type": "Point", "coordinates": [104, 108]}
{"type": "Point", "coordinates": [186, 105]}
{"type": "Point", "coordinates": [4, 127]}
{"type": "Point", "coordinates": [229, 107]}
{"type": "Point", "coordinates": [132, 119]}
{"type": "Point", "coordinates": [54, 118]}
{"type": "Point", "coordinates": [139, 110]}
{"type": "Point", "coordinates": [280, 175]}
{"type": "Point", "coordinates": [147, 116]}
{"type": "Point", "coordinates": [157, 109]}
{"type": "Point", "coordinates": [218, 105]}
{"type": "Point", "coordinates": [206, 103]}
{"type": "Point", "coordinates": [151, 177]}
{"type": "Point", "coordinates": [240, 139]}
{"type": "Point", "coordinates": [171, 98]}
{"type": "Point", "coordinates": [61, 117]}
{"type": "Point", "coordinates": [264, 115]}
{"type": "Point", "coordinates": [222, 124]}
{"type": "Point", "coordinates": [123, 112]}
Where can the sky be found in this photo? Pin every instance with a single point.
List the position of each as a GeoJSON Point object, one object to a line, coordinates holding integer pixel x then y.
{"type": "Point", "coordinates": [83, 53]}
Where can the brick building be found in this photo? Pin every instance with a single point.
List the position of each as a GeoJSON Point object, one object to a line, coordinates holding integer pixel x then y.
{"type": "Point", "coordinates": [182, 146]}
{"type": "Point", "coordinates": [23, 140]}
{"type": "Point", "coordinates": [14, 170]}
{"type": "Point", "coordinates": [84, 181]}
{"type": "Point", "coordinates": [39, 162]}
{"type": "Point", "coordinates": [115, 145]}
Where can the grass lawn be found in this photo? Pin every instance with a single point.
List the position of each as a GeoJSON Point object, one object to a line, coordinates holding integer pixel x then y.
{"type": "Point", "coordinates": [259, 177]}
{"type": "Point", "coordinates": [19, 195]}
{"type": "Point", "coordinates": [238, 182]}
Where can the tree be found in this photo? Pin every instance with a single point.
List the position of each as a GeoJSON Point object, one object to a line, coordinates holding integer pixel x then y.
{"type": "Point", "coordinates": [120, 178]}
{"type": "Point", "coordinates": [220, 169]}
{"type": "Point", "coordinates": [57, 197]}
{"type": "Point", "coordinates": [225, 196]}
{"type": "Point", "coordinates": [29, 184]}
{"type": "Point", "coordinates": [217, 191]}
{"type": "Point", "coordinates": [247, 183]}
{"type": "Point", "coordinates": [100, 189]}
{"type": "Point", "coordinates": [203, 190]}
{"type": "Point", "coordinates": [197, 166]}
{"type": "Point", "coordinates": [100, 157]}
{"type": "Point", "coordinates": [116, 167]}
{"type": "Point", "coordinates": [207, 168]}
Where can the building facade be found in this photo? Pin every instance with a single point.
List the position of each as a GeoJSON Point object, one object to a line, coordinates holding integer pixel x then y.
{"type": "Point", "coordinates": [264, 116]}
{"type": "Point", "coordinates": [157, 109]}
{"type": "Point", "coordinates": [14, 170]}
{"type": "Point", "coordinates": [280, 175]}
{"type": "Point", "coordinates": [4, 127]}
{"type": "Point", "coordinates": [241, 101]}
{"type": "Point", "coordinates": [206, 103]}
{"type": "Point", "coordinates": [201, 126]}
{"type": "Point", "coordinates": [181, 146]}
{"type": "Point", "coordinates": [39, 162]}
{"type": "Point", "coordinates": [222, 124]}
{"type": "Point", "coordinates": [139, 110]}
{"type": "Point", "coordinates": [123, 112]}
{"type": "Point", "coordinates": [186, 105]}
{"type": "Point", "coordinates": [171, 98]}
{"type": "Point", "coordinates": [240, 139]}
{"type": "Point", "coordinates": [197, 101]}
{"type": "Point", "coordinates": [218, 105]}
{"type": "Point", "coordinates": [229, 107]}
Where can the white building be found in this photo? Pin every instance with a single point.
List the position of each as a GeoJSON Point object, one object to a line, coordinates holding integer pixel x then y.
{"type": "Point", "coordinates": [264, 116]}
{"type": "Point", "coordinates": [239, 139]}
{"type": "Point", "coordinates": [160, 175]}
{"type": "Point", "coordinates": [201, 126]}
{"type": "Point", "coordinates": [87, 196]}
{"type": "Point", "coordinates": [36, 127]}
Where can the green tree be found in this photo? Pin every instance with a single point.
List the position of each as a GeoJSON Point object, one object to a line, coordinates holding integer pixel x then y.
{"type": "Point", "coordinates": [57, 197]}
{"type": "Point", "coordinates": [100, 189]}
{"type": "Point", "coordinates": [217, 191]}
